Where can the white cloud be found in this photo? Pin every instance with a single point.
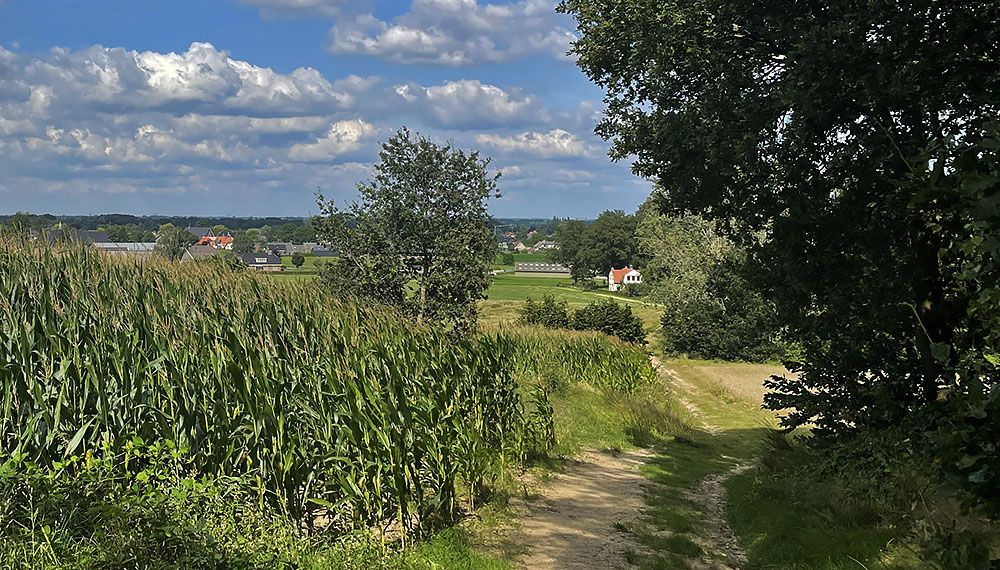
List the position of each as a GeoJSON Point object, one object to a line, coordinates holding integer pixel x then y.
{"type": "Point", "coordinates": [458, 32]}
{"type": "Point", "coordinates": [555, 143]}
{"type": "Point", "coordinates": [203, 125]}
{"type": "Point", "coordinates": [471, 103]}
{"type": "Point", "coordinates": [200, 78]}
{"type": "Point", "coordinates": [344, 137]}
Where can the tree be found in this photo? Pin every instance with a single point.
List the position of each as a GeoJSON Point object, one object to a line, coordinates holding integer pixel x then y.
{"type": "Point", "coordinates": [243, 242]}
{"type": "Point", "coordinates": [172, 242]}
{"type": "Point", "coordinates": [849, 147]}
{"type": "Point", "coordinates": [298, 260]}
{"type": "Point", "coordinates": [422, 218]}
{"type": "Point", "coordinates": [594, 248]}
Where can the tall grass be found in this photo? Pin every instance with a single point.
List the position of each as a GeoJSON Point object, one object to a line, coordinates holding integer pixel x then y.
{"type": "Point", "coordinates": [332, 410]}
{"type": "Point", "coordinates": [563, 357]}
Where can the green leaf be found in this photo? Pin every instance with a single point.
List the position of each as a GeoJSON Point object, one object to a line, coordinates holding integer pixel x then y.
{"type": "Point", "coordinates": [941, 352]}
{"type": "Point", "coordinates": [77, 438]}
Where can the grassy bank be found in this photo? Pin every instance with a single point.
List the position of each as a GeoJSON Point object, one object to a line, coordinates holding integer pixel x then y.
{"type": "Point", "coordinates": [785, 517]}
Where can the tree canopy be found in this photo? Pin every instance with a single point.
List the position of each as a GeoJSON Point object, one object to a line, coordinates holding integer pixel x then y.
{"type": "Point", "coordinates": [419, 238]}
{"type": "Point", "coordinates": [594, 248]}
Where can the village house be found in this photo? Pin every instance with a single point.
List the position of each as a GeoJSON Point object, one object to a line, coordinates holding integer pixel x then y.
{"type": "Point", "coordinates": [267, 262]}
{"type": "Point", "coordinates": [617, 278]}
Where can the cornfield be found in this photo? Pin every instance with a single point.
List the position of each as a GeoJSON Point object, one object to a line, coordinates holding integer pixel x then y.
{"type": "Point", "coordinates": [325, 406]}
{"type": "Point", "coordinates": [333, 411]}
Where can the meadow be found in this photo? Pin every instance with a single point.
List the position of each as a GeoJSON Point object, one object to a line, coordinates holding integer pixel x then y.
{"type": "Point", "coordinates": [508, 293]}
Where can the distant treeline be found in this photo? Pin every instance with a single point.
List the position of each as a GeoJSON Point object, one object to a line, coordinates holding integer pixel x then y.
{"type": "Point", "coordinates": [151, 223]}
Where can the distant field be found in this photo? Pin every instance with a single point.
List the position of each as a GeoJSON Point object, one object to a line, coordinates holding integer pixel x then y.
{"type": "Point", "coordinates": [313, 263]}
{"type": "Point", "coordinates": [508, 293]}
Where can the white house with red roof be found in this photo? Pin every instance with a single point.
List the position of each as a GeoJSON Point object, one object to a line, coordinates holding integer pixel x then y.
{"type": "Point", "coordinates": [624, 276]}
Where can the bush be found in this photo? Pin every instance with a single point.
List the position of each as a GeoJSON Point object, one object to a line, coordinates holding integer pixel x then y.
{"type": "Point", "coordinates": [611, 318]}
{"type": "Point", "coordinates": [507, 259]}
{"type": "Point", "coordinates": [547, 313]}
{"type": "Point", "coordinates": [731, 322]}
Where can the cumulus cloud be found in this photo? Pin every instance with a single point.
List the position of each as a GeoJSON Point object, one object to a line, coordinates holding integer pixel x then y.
{"type": "Point", "coordinates": [555, 143]}
{"type": "Point", "coordinates": [106, 128]}
{"type": "Point", "coordinates": [471, 103]}
{"type": "Point", "coordinates": [457, 33]}
{"type": "Point", "coordinates": [342, 138]}
{"type": "Point", "coordinates": [202, 78]}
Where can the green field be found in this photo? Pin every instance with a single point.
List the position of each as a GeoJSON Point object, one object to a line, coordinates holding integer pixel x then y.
{"type": "Point", "coordinates": [312, 263]}
{"type": "Point", "coordinates": [508, 293]}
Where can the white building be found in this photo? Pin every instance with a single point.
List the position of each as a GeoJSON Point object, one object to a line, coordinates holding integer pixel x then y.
{"type": "Point", "coordinates": [624, 276]}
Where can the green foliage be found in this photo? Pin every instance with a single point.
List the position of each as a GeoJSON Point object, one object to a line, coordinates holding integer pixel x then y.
{"type": "Point", "coordinates": [547, 313]}
{"type": "Point", "coordinates": [136, 508]}
{"type": "Point", "coordinates": [129, 233]}
{"type": "Point", "coordinates": [607, 316]}
{"type": "Point", "coordinates": [560, 359]}
{"type": "Point", "coordinates": [726, 320]}
{"type": "Point", "coordinates": [853, 157]}
{"type": "Point", "coordinates": [270, 409]}
{"type": "Point", "coordinates": [172, 242]}
{"type": "Point", "coordinates": [507, 258]}
{"type": "Point", "coordinates": [298, 260]}
{"type": "Point", "coordinates": [590, 249]}
{"type": "Point", "coordinates": [611, 318]}
{"type": "Point", "coordinates": [331, 410]}
{"type": "Point", "coordinates": [422, 218]}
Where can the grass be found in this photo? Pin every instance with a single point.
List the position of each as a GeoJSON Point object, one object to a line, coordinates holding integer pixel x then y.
{"type": "Point", "coordinates": [785, 518]}
{"type": "Point", "coordinates": [508, 293]}
{"type": "Point", "coordinates": [312, 263]}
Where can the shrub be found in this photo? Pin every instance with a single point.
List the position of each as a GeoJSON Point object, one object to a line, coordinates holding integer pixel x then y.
{"type": "Point", "coordinates": [731, 322]}
{"type": "Point", "coordinates": [611, 318]}
{"type": "Point", "coordinates": [507, 259]}
{"type": "Point", "coordinates": [547, 313]}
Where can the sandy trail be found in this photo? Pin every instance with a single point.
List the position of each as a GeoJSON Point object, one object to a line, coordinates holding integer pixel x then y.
{"type": "Point", "coordinates": [573, 523]}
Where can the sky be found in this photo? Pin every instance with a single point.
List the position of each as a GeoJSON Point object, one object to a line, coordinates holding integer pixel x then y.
{"type": "Point", "coordinates": [247, 107]}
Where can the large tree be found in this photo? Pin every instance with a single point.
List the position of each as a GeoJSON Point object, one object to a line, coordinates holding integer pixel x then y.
{"type": "Point", "coordinates": [850, 146]}
{"type": "Point", "coordinates": [419, 238]}
{"type": "Point", "coordinates": [593, 248]}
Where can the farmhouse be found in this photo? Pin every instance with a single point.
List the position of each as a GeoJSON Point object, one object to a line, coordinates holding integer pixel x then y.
{"type": "Point", "coordinates": [541, 270]}
{"type": "Point", "coordinates": [624, 276]}
{"type": "Point", "coordinates": [262, 261]}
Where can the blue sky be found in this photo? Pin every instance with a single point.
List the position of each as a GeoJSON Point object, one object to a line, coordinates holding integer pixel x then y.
{"type": "Point", "coordinates": [245, 107]}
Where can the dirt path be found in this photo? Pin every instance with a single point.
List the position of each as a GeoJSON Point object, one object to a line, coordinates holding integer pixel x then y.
{"type": "Point", "coordinates": [709, 495]}
{"type": "Point", "coordinates": [575, 522]}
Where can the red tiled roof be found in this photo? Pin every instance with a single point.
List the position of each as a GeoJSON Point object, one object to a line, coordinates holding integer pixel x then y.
{"type": "Point", "coordinates": [618, 275]}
